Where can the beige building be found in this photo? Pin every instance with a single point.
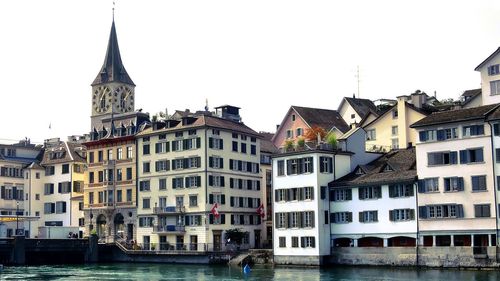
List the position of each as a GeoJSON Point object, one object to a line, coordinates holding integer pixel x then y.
{"type": "Point", "coordinates": [55, 187]}
{"type": "Point", "coordinates": [188, 166]}
{"type": "Point", "coordinates": [391, 130]}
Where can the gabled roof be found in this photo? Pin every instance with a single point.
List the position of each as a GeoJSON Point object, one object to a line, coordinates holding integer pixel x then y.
{"type": "Point", "coordinates": [496, 52]}
{"type": "Point", "coordinates": [71, 152]}
{"type": "Point", "coordinates": [453, 116]}
{"type": "Point", "coordinates": [402, 163]}
{"type": "Point", "coordinates": [113, 70]}
{"type": "Point", "coordinates": [423, 111]}
{"type": "Point", "coordinates": [324, 118]}
{"type": "Point", "coordinates": [266, 145]}
{"type": "Point", "coordinates": [361, 106]}
{"type": "Point", "coordinates": [470, 95]}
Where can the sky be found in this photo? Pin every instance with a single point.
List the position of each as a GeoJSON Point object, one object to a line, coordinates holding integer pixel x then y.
{"type": "Point", "coordinates": [262, 56]}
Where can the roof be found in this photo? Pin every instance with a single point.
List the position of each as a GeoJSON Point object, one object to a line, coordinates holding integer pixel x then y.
{"type": "Point", "coordinates": [324, 118]}
{"type": "Point", "coordinates": [496, 52]}
{"type": "Point", "coordinates": [401, 164]}
{"type": "Point", "coordinates": [453, 116]}
{"type": "Point", "coordinates": [469, 95]}
{"type": "Point", "coordinates": [69, 152]}
{"type": "Point", "coordinates": [362, 106]}
{"type": "Point", "coordinates": [112, 69]}
{"type": "Point", "coordinates": [209, 121]}
{"type": "Point", "coordinates": [266, 145]}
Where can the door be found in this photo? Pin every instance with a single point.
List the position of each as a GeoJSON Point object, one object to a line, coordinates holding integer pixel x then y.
{"type": "Point", "coordinates": [179, 242]}
{"type": "Point", "coordinates": [193, 240]}
{"type": "Point", "coordinates": [130, 231]}
{"type": "Point", "coordinates": [217, 242]}
{"type": "Point", "coordinates": [163, 243]}
{"type": "Point", "coordinates": [257, 239]}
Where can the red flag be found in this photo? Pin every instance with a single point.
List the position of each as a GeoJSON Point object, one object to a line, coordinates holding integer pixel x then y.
{"type": "Point", "coordinates": [215, 210]}
{"type": "Point", "coordinates": [260, 211]}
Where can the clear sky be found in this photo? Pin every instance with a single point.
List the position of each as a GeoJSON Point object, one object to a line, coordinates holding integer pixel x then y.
{"type": "Point", "coordinates": [262, 56]}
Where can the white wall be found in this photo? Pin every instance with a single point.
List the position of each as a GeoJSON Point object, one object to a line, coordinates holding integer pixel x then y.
{"type": "Point", "coordinates": [487, 98]}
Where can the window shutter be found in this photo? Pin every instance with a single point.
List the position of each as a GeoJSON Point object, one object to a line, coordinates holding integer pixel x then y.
{"type": "Point", "coordinates": [167, 162]}
{"type": "Point", "coordinates": [323, 192]}
{"type": "Point", "coordinates": [231, 164]}
{"type": "Point", "coordinates": [479, 155]}
{"type": "Point", "coordinates": [198, 142]}
{"type": "Point", "coordinates": [332, 218]}
{"type": "Point", "coordinates": [422, 212]}
{"type": "Point", "coordinates": [167, 146]}
{"type": "Point", "coordinates": [59, 187]}
{"type": "Point", "coordinates": [276, 195]}
{"type": "Point", "coordinates": [361, 217]}
{"type": "Point", "coordinates": [232, 219]}
{"type": "Point", "coordinates": [210, 198]}
{"type": "Point", "coordinates": [379, 191]}
{"type": "Point", "coordinates": [240, 184]}
{"type": "Point", "coordinates": [3, 193]}
{"type": "Point", "coordinates": [231, 201]}
{"type": "Point", "coordinates": [64, 207]}
{"type": "Point", "coordinates": [482, 182]}
{"type": "Point", "coordinates": [321, 165]}
{"type": "Point", "coordinates": [223, 199]}
{"type": "Point", "coordinates": [211, 219]}
{"type": "Point", "coordinates": [249, 184]}
{"type": "Point", "coordinates": [302, 242]}
{"type": "Point", "coordinates": [391, 191]}
{"type": "Point", "coordinates": [422, 135]}
{"type": "Point", "coordinates": [250, 202]}
{"type": "Point", "coordinates": [421, 186]}
{"type": "Point", "coordinates": [460, 183]}
{"type": "Point", "coordinates": [463, 157]}
{"type": "Point", "coordinates": [391, 215]}
{"type": "Point", "coordinates": [486, 211]}
{"type": "Point", "coordinates": [496, 129]}
{"type": "Point", "coordinates": [349, 194]}
{"type": "Point", "coordinates": [453, 157]}
{"type": "Point", "coordinates": [231, 183]}
{"type": "Point", "coordinates": [186, 182]}
{"type": "Point", "coordinates": [198, 181]}
{"type": "Point", "coordinates": [460, 211]}
{"type": "Point", "coordinates": [222, 181]}
{"type": "Point", "coordinates": [412, 214]}
{"type": "Point", "coordinates": [210, 180]}
{"type": "Point", "coordinates": [157, 147]}
{"type": "Point", "coordinates": [258, 185]}
{"type": "Point", "coordinates": [311, 165]}
{"type": "Point", "coordinates": [360, 193]}
{"type": "Point", "coordinates": [173, 183]}
{"type": "Point", "coordinates": [210, 143]}
{"type": "Point", "coordinates": [258, 202]}
{"type": "Point", "coordinates": [276, 221]}
{"type": "Point", "coordinates": [313, 242]}
{"type": "Point", "coordinates": [221, 163]}
{"type": "Point", "coordinates": [14, 192]}
{"type": "Point", "coordinates": [198, 162]}
{"type": "Point", "coordinates": [185, 163]}
{"type": "Point", "coordinates": [410, 188]}
{"type": "Point", "coordinates": [250, 221]}
{"type": "Point", "coordinates": [349, 217]}
{"type": "Point", "coordinates": [440, 135]}
{"type": "Point", "coordinates": [157, 166]}
{"type": "Point", "coordinates": [330, 165]}
{"type": "Point", "coordinates": [184, 144]}
{"type": "Point", "coordinates": [288, 167]}
{"type": "Point", "coordinates": [480, 130]}
{"type": "Point", "coordinates": [477, 211]}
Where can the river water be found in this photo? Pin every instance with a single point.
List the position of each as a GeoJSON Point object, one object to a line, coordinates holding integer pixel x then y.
{"type": "Point", "coordinates": [128, 271]}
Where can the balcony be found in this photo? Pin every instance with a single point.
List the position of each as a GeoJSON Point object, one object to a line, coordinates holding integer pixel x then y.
{"type": "Point", "coordinates": [169, 210]}
{"type": "Point", "coordinates": [169, 229]}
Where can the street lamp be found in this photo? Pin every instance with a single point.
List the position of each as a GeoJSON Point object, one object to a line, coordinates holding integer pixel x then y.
{"type": "Point", "coordinates": [17, 217]}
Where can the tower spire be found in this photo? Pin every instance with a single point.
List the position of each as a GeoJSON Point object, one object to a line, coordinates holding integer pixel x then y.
{"type": "Point", "coordinates": [113, 11]}
{"type": "Point", "coordinates": [112, 69]}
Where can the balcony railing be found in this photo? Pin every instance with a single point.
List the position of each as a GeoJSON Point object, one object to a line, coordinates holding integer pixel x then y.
{"type": "Point", "coordinates": [168, 228]}
{"type": "Point", "coordinates": [179, 248]}
{"type": "Point", "coordinates": [169, 210]}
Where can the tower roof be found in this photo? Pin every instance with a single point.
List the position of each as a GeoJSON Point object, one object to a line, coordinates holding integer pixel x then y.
{"type": "Point", "coordinates": [112, 70]}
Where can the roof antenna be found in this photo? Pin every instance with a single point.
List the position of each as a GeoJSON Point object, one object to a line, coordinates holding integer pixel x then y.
{"type": "Point", "coordinates": [206, 104]}
{"type": "Point", "coordinates": [357, 77]}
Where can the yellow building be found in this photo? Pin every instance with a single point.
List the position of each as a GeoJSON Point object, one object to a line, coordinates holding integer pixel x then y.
{"type": "Point", "coordinates": [391, 129]}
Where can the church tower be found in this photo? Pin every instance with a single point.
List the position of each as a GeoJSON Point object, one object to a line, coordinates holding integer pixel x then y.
{"type": "Point", "coordinates": [112, 89]}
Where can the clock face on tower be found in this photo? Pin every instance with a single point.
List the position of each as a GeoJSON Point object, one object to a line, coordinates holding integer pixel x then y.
{"type": "Point", "coordinates": [125, 98]}
{"type": "Point", "coordinates": [101, 99]}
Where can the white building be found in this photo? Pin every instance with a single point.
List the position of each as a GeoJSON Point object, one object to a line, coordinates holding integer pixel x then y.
{"type": "Point", "coordinates": [456, 178]}
{"type": "Point", "coordinates": [375, 205]}
{"type": "Point", "coordinates": [489, 70]}
{"type": "Point", "coordinates": [301, 204]}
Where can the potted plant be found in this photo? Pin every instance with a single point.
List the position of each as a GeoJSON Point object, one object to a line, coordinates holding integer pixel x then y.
{"type": "Point", "coordinates": [289, 145]}
{"type": "Point", "coordinates": [301, 143]}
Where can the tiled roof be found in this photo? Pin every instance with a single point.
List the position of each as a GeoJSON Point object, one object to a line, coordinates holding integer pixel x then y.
{"type": "Point", "coordinates": [455, 115]}
{"type": "Point", "coordinates": [362, 106]}
{"type": "Point", "coordinates": [266, 145]}
{"type": "Point", "coordinates": [496, 52]}
{"type": "Point", "coordinates": [402, 169]}
{"type": "Point", "coordinates": [71, 152]}
{"type": "Point", "coordinates": [324, 118]}
{"type": "Point", "coordinates": [469, 95]}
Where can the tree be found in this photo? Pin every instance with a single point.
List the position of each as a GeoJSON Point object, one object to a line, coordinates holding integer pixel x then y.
{"type": "Point", "coordinates": [331, 139]}
{"type": "Point", "coordinates": [235, 235]}
{"type": "Point", "coordinates": [312, 133]}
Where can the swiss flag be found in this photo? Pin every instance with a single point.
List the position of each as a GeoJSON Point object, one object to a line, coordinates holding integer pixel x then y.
{"type": "Point", "coordinates": [215, 210]}
{"type": "Point", "coordinates": [260, 211]}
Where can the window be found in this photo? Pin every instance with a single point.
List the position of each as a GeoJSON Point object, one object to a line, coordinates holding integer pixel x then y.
{"type": "Point", "coordinates": [243, 137]}
{"type": "Point", "coordinates": [395, 143]}
{"type": "Point", "coordinates": [253, 149]}
{"type": "Point", "coordinates": [129, 152]}
{"type": "Point", "coordinates": [293, 117]}
{"type": "Point", "coordinates": [478, 183]}
{"type": "Point", "coordinates": [300, 132]}
{"type": "Point", "coordinates": [308, 193]}
{"type": "Point", "coordinates": [91, 157]}
{"type": "Point", "coordinates": [65, 168]}
{"type": "Point", "coordinates": [401, 215]}
{"type": "Point", "coordinates": [49, 208]}
{"type": "Point", "coordinates": [428, 185]}
{"type": "Point", "coordinates": [146, 167]}
{"type": "Point", "coordinates": [400, 190]}
{"type": "Point", "coordinates": [281, 167]}
{"type": "Point", "coordinates": [215, 132]}
{"type": "Point", "coordinates": [442, 158]}
{"type": "Point", "coordinates": [179, 134]}
{"type": "Point", "coordinates": [441, 211]}
{"type": "Point", "coordinates": [495, 87]}
{"type": "Point", "coordinates": [192, 132]}
{"type": "Point", "coordinates": [482, 211]}
{"type": "Point", "coordinates": [146, 221]}
{"type": "Point", "coordinates": [48, 189]}
{"type": "Point", "coordinates": [60, 207]}
{"type": "Point", "coordinates": [129, 173]}
{"type": "Point", "coordinates": [162, 184]}
{"type": "Point", "coordinates": [100, 156]}
{"type": "Point", "coordinates": [341, 217]}
{"type": "Point", "coordinates": [368, 216]}
{"type": "Point", "coordinates": [371, 134]}
{"type": "Point", "coordinates": [294, 219]}
{"type": "Point", "coordinates": [216, 181]}
{"type": "Point", "coordinates": [119, 196]}
{"type": "Point", "coordinates": [49, 170]}
{"type": "Point", "coordinates": [162, 147]}
{"type": "Point", "coordinates": [129, 195]}
{"type": "Point", "coordinates": [308, 219]}
{"type": "Point", "coordinates": [395, 114]}
{"type": "Point", "coordinates": [326, 164]}
{"type": "Point", "coordinates": [37, 196]}
{"type": "Point", "coordinates": [474, 155]}
{"type": "Point", "coordinates": [282, 242]}
{"type": "Point", "coordinates": [146, 203]}
{"type": "Point", "coordinates": [162, 165]}
{"type": "Point", "coordinates": [281, 220]}
{"type": "Point", "coordinates": [177, 183]}
{"type": "Point", "coordinates": [429, 135]}
{"type": "Point", "coordinates": [344, 194]}
{"type": "Point", "coordinates": [307, 242]}
{"type": "Point", "coordinates": [497, 155]}
{"type": "Point", "coordinates": [289, 134]}
{"type": "Point", "coordinates": [193, 181]}
{"type": "Point", "coordinates": [215, 143]}
{"type": "Point", "coordinates": [144, 185]}
{"type": "Point", "coordinates": [493, 69]}
{"type": "Point", "coordinates": [295, 242]}
{"type": "Point", "coordinates": [281, 195]}
{"type": "Point", "coordinates": [243, 148]}
{"type": "Point", "coordinates": [453, 184]}
{"type": "Point", "coordinates": [299, 166]}
{"type": "Point", "coordinates": [496, 129]}
{"type": "Point", "coordinates": [394, 130]}
{"type": "Point", "coordinates": [235, 146]}
{"type": "Point", "coordinates": [474, 130]}
{"type": "Point", "coordinates": [193, 200]}
{"type": "Point", "coordinates": [91, 197]}
{"type": "Point", "coordinates": [145, 149]}
{"type": "Point", "coordinates": [215, 162]}
{"type": "Point", "coordinates": [370, 192]}
{"type": "Point", "coordinates": [110, 154]}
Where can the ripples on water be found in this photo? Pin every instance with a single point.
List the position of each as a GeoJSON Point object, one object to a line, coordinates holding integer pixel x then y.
{"type": "Point", "coordinates": [127, 271]}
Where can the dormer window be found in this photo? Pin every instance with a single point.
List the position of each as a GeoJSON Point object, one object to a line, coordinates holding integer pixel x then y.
{"type": "Point", "coordinates": [388, 168]}
{"type": "Point", "coordinates": [359, 171]}
{"type": "Point", "coordinates": [493, 69]}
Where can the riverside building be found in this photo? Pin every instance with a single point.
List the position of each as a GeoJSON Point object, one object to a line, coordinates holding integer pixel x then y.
{"type": "Point", "coordinates": [199, 176]}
